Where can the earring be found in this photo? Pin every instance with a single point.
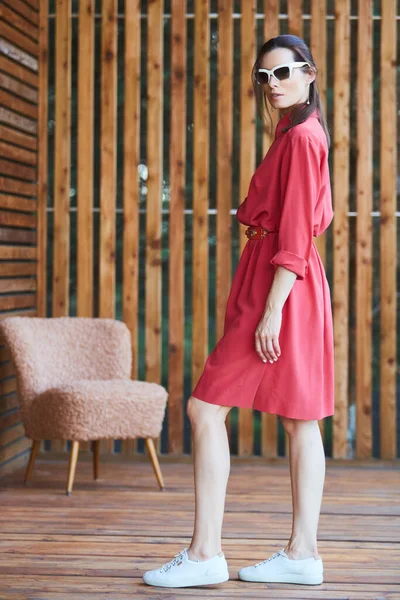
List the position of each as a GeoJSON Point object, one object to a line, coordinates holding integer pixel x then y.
{"type": "Point", "coordinates": [308, 101]}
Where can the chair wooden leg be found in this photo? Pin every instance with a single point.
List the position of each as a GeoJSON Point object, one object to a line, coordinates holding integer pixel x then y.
{"type": "Point", "coordinates": [34, 451]}
{"type": "Point", "coordinates": [96, 458]}
{"type": "Point", "coordinates": [154, 461]}
{"type": "Point", "coordinates": [73, 459]}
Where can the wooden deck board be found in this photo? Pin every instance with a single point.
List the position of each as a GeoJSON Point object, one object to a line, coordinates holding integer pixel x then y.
{"type": "Point", "coordinates": [97, 543]}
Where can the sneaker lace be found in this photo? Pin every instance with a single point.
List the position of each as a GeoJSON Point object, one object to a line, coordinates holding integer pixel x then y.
{"type": "Point", "coordinates": [268, 559]}
{"type": "Point", "coordinates": [178, 557]}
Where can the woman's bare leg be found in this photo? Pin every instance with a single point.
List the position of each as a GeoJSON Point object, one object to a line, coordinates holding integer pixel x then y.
{"type": "Point", "coordinates": [307, 475]}
{"type": "Point", "coordinates": [211, 462]}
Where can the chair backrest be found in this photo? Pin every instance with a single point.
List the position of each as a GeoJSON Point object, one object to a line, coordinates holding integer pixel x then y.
{"type": "Point", "coordinates": [48, 352]}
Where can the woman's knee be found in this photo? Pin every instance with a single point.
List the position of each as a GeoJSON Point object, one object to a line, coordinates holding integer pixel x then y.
{"type": "Point", "coordinates": [292, 426]}
{"type": "Point", "coordinates": [198, 410]}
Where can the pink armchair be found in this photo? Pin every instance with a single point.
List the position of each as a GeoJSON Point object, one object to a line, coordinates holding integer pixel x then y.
{"type": "Point", "coordinates": [73, 383]}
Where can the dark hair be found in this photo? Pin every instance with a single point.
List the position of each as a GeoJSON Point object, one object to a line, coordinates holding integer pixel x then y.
{"type": "Point", "coordinates": [300, 112]}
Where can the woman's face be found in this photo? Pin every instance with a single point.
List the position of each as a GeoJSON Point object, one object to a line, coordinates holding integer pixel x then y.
{"type": "Point", "coordinates": [289, 92]}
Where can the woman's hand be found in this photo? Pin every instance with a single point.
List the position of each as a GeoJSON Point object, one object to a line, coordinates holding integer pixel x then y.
{"type": "Point", "coordinates": [267, 335]}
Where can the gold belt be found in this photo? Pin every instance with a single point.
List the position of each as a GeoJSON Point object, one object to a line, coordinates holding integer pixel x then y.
{"type": "Point", "coordinates": [256, 232]}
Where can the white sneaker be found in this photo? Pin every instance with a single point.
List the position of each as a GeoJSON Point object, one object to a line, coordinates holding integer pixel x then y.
{"type": "Point", "coordinates": [183, 572]}
{"type": "Point", "coordinates": [279, 568]}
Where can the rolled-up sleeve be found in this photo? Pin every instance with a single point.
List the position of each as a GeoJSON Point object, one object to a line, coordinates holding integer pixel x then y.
{"type": "Point", "coordinates": [299, 184]}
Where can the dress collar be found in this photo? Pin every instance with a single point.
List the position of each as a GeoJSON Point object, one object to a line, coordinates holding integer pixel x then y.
{"type": "Point", "coordinates": [285, 121]}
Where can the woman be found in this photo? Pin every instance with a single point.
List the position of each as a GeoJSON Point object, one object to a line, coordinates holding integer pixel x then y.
{"type": "Point", "coordinates": [279, 310]}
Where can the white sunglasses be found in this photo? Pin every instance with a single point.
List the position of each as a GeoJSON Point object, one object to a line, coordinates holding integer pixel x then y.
{"type": "Point", "coordinates": [280, 72]}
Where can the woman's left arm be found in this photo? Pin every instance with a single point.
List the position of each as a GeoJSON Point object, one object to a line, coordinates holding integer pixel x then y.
{"type": "Point", "coordinates": [300, 183]}
{"type": "Point", "coordinates": [267, 332]}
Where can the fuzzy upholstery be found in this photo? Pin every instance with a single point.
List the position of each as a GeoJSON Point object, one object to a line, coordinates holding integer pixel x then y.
{"type": "Point", "coordinates": [73, 380]}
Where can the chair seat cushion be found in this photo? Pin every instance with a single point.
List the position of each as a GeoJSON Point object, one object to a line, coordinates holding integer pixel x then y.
{"type": "Point", "coordinates": [96, 409]}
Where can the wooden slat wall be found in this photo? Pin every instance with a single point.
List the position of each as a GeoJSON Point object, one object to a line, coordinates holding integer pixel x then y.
{"type": "Point", "coordinates": [23, 41]}
{"type": "Point", "coordinates": [200, 189]}
{"type": "Point", "coordinates": [340, 296]}
{"type": "Point", "coordinates": [43, 189]}
{"type": "Point", "coordinates": [176, 334]}
{"type": "Point", "coordinates": [130, 303]}
{"type": "Point", "coordinates": [154, 136]}
{"type": "Point", "coordinates": [364, 233]}
{"type": "Point", "coordinates": [295, 17]}
{"type": "Point", "coordinates": [20, 127]}
{"type": "Point", "coordinates": [62, 169]}
{"type": "Point", "coordinates": [84, 251]}
{"type": "Point", "coordinates": [388, 439]}
{"type": "Point", "coordinates": [108, 168]}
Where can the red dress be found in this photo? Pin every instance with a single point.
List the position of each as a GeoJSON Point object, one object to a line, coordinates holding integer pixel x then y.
{"type": "Point", "coordinates": [289, 193]}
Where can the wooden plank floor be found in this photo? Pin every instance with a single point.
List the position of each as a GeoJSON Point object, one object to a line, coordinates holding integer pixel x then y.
{"type": "Point", "coordinates": [97, 543]}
